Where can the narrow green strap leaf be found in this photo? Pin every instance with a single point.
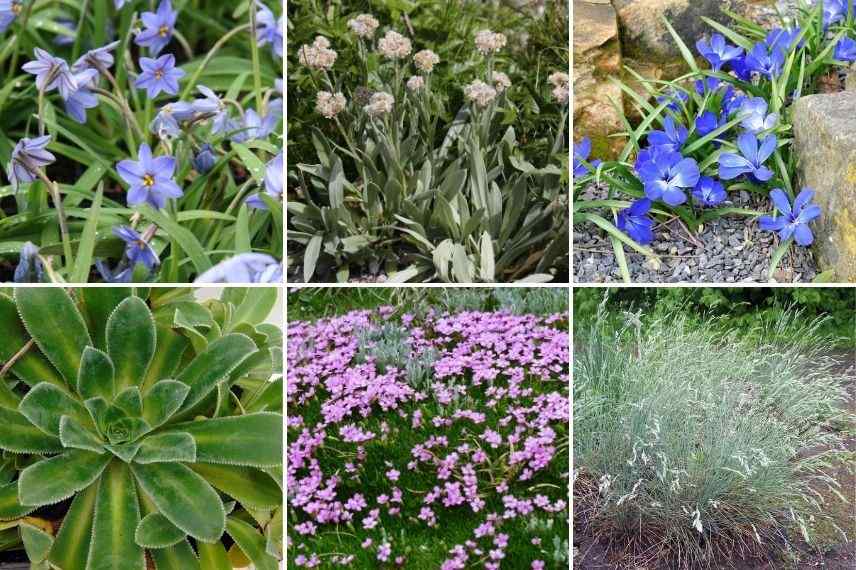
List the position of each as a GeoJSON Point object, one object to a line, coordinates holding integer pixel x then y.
{"type": "Point", "coordinates": [52, 319]}
{"type": "Point", "coordinates": [72, 543]}
{"type": "Point", "coordinates": [170, 348]}
{"type": "Point", "coordinates": [10, 507]}
{"type": "Point", "coordinates": [20, 436]}
{"type": "Point", "coordinates": [184, 498]}
{"type": "Point", "coordinates": [32, 367]}
{"type": "Point", "coordinates": [255, 307]}
{"type": "Point", "coordinates": [45, 404]}
{"type": "Point", "coordinates": [253, 439]}
{"type": "Point", "coordinates": [167, 447]}
{"type": "Point", "coordinates": [213, 556]}
{"type": "Point", "coordinates": [83, 259]}
{"type": "Point", "coordinates": [249, 486]}
{"type": "Point", "coordinates": [52, 480]}
{"type": "Point", "coordinates": [96, 375]}
{"type": "Point", "coordinates": [214, 365]}
{"type": "Point", "coordinates": [117, 514]}
{"type": "Point", "coordinates": [163, 400]}
{"type": "Point", "coordinates": [155, 531]}
{"type": "Point", "coordinates": [178, 557]}
{"type": "Point", "coordinates": [72, 434]}
{"type": "Point", "coordinates": [252, 544]}
{"type": "Point", "coordinates": [98, 303]}
{"type": "Point", "coordinates": [37, 543]}
{"type": "Point", "coordinates": [131, 341]}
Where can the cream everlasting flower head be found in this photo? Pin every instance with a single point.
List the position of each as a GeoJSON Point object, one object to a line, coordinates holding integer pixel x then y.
{"type": "Point", "coordinates": [501, 82]}
{"type": "Point", "coordinates": [557, 79]}
{"type": "Point", "coordinates": [318, 55]}
{"type": "Point", "coordinates": [425, 60]}
{"type": "Point", "coordinates": [488, 42]}
{"type": "Point", "coordinates": [329, 104]}
{"type": "Point", "coordinates": [394, 46]}
{"type": "Point", "coordinates": [380, 104]}
{"type": "Point", "coordinates": [416, 82]}
{"type": "Point", "coordinates": [561, 86]}
{"type": "Point", "coordinates": [364, 25]}
{"type": "Point", "coordinates": [480, 93]}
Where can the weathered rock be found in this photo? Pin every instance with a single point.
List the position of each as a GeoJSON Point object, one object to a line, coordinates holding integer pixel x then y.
{"type": "Point", "coordinates": [597, 57]}
{"type": "Point", "coordinates": [850, 83]}
{"type": "Point", "coordinates": [825, 143]}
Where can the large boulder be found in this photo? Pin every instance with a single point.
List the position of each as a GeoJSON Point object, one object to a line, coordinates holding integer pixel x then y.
{"type": "Point", "coordinates": [825, 143]}
{"type": "Point", "coordinates": [597, 57]}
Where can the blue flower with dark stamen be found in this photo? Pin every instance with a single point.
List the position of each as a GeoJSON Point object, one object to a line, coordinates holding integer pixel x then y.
{"type": "Point", "coordinates": [793, 221]}
{"type": "Point", "coordinates": [755, 117]}
{"type": "Point", "coordinates": [845, 50]}
{"type": "Point", "coordinates": [708, 122]}
{"type": "Point", "coordinates": [212, 105]}
{"type": "Point", "coordinates": [159, 75]}
{"type": "Point", "coordinates": [150, 179]}
{"type": "Point", "coordinates": [165, 123]}
{"type": "Point", "coordinates": [767, 62]}
{"type": "Point", "coordinates": [137, 249]}
{"type": "Point", "coordinates": [750, 161]}
{"type": "Point", "coordinates": [95, 58]}
{"type": "Point", "coordinates": [273, 184]}
{"type": "Point", "coordinates": [781, 39]}
{"type": "Point", "coordinates": [30, 268]}
{"type": "Point", "coordinates": [635, 223]}
{"type": "Point", "coordinates": [709, 192]}
{"type": "Point", "coordinates": [666, 176]}
{"type": "Point", "coordinates": [28, 156]}
{"type": "Point", "coordinates": [159, 27]}
{"type": "Point", "coordinates": [205, 159]}
{"type": "Point", "coordinates": [671, 138]}
{"type": "Point", "coordinates": [717, 52]}
{"type": "Point", "coordinates": [9, 11]}
{"type": "Point", "coordinates": [51, 73]}
{"type": "Point", "coordinates": [268, 29]}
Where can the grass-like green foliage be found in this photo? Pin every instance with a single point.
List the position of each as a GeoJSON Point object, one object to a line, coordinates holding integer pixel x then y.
{"type": "Point", "coordinates": [157, 419]}
{"type": "Point", "coordinates": [439, 189]}
{"type": "Point", "coordinates": [692, 445]}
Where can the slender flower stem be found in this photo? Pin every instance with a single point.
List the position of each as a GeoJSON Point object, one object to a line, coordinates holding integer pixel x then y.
{"type": "Point", "coordinates": [53, 188]}
{"type": "Point", "coordinates": [220, 43]}
{"type": "Point", "coordinates": [41, 103]}
{"type": "Point", "coordinates": [126, 113]}
{"type": "Point", "coordinates": [254, 50]}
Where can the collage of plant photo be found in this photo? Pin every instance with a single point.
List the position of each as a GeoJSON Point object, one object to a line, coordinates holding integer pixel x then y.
{"type": "Point", "coordinates": [490, 323]}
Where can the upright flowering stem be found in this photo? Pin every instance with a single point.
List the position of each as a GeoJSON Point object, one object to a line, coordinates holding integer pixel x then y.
{"type": "Point", "coordinates": [53, 188]}
{"type": "Point", "coordinates": [254, 50]}
{"type": "Point", "coordinates": [211, 53]}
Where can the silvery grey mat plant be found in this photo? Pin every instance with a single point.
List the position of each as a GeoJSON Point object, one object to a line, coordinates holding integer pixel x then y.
{"type": "Point", "coordinates": [154, 414]}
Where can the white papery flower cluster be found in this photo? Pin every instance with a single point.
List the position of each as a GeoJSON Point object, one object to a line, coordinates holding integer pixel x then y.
{"type": "Point", "coordinates": [501, 82]}
{"type": "Point", "coordinates": [488, 42]}
{"type": "Point", "coordinates": [425, 60]}
{"type": "Point", "coordinates": [317, 56]}
{"type": "Point", "coordinates": [394, 46]}
{"type": "Point", "coordinates": [380, 104]}
{"type": "Point", "coordinates": [329, 104]}
{"type": "Point", "coordinates": [364, 25]}
{"type": "Point", "coordinates": [561, 86]}
{"type": "Point", "coordinates": [415, 83]}
{"type": "Point", "coordinates": [480, 93]}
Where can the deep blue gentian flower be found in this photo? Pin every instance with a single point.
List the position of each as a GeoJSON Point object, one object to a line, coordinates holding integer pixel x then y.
{"type": "Point", "coordinates": [98, 59]}
{"type": "Point", "coordinates": [268, 29]}
{"type": "Point", "coordinates": [635, 223]}
{"type": "Point", "coordinates": [159, 27]}
{"type": "Point", "coordinates": [782, 39]}
{"type": "Point", "coordinates": [122, 273]}
{"type": "Point", "coordinates": [137, 249]}
{"type": "Point", "coordinates": [150, 179]}
{"type": "Point", "coordinates": [767, 62]}
{"type": "Point", "coordinates": [273, 184]}
{"type": "Point", "coordinates": [671, 138]}
{"type": "Point", "coordinates": [667, 175]}
{"type": "Point", "coordinates": [755, 117]}
{"type": "Point", "coordinates": [30, 268]}
{"type": "Point", "coordinates": [732, 100]}
{"type": "Point", "coordinates": [28, 156]}
{"type": "Point", "coordinates": [244, 268]}
{"type": "Point", "coordinates": [845, 50]}
{"type": "Point", "coordinates": [709, 121]}
{"type": "Point", "coordinates": [582, 150]}
{"type": "Point", "coordinates": [205, 159]}
{"type": "Point", "coordinates": [741, 69]}
{"type": "Point", "coordinates": [834, 11]}
{"type": "Point", "coordinates": [165, 123]}
{"type": "Point", "coordinates": [750, 160]}
{"type": "Point", "coordinates": [717, 52]}
{"type": "Point", "coordinates": [9, 10]}
{"type": "Point", "coordinates": [709, 192]}
{"type": "Point", "coordinates": [51, 73]}
{"type": "Point", "coordinates": [711, 84]}
{"type": "Point", "coordinates": [158, 75]}
{"type": "Point", "coordinates": [675, 97]}
{"type": "Point", "coordinates": [792, 221]}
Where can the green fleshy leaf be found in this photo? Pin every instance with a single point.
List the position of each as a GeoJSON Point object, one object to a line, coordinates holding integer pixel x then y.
{"type": "Point", "coordinates": [73, 435]}
{"type": "Point", "coordinates": [37, 543]}
{"type": "Point", "coordinates": [71, 546]}
{"type": "Point", "coordinates": [117, 514]}
{"type": "Point", "coordinates": [45, 404]}
{"type": "Point", "coordinates": [53, 321]}
{"type": "Point", "coordinates": [171, 346]}
{"type": "Point", "coordinates": [127, 452]}
{"type": "Point", "coordinates": [213, 556]}
{"type": "Point", "coordinates": [184, 498]}
{"type": "Point", "coordinates": [20, 436]}
{"type": "Point", "coordinates": [254, 439]}
{"type": "Point", "coordinates": [131, 341]}
{"type": "Point", "coordinates": [96, 375]}
{"type": "Point", "coordinates": [97, 408]}
{"type": "Point", "coordinates": [130, 401]}
{"type": "Point", "coordinates": [163, 400]}
{"type": "Point", "coordinates": [98, 304]}
{"type": "Point", "coordinates": [250, 486]}
{"type": "Point", "coordinates": [177, 557]}
{"type": "Point", "coordinates": [274, 534]}
{"type": "Point", "coordinates": [32, 367]}
{"type": "Point", "coordinates": [52, 480]}
{"type": "Point", "coordinates": [255, 307]}
{"type": "Point", "coordinates": [167, 447]}
{"type": "Point", "coordinates": [214, 365]}
{"type": "Point", "coordinates": [252, 544]}
{"type": "Point", "coordinates": [10, 507]}
{"type": "Point", "coordinates": [155, 531]}
{"type": "Point", "coordinates": [121, 428]}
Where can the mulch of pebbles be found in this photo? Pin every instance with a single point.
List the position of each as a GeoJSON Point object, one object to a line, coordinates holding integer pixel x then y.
{"type": "Point", "coordinates": [731, 249]}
